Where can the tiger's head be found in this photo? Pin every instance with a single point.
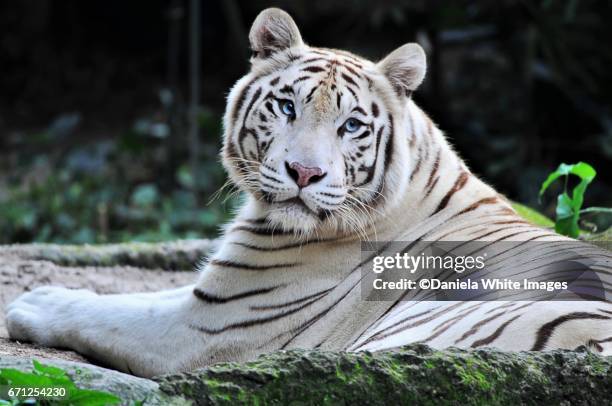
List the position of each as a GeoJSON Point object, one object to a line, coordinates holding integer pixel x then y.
{"type": "Point", "coordinates": [317, 136]}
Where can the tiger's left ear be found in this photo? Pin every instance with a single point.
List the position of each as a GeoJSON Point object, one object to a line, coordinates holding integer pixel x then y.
{"type": "Point", "coordinates": [273, 30]}
{"type": "Point", "coordinates": [405, 68]}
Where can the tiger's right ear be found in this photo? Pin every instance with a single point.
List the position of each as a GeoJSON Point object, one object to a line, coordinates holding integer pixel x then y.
{"type": "Point", "coordinates": [273, 30]}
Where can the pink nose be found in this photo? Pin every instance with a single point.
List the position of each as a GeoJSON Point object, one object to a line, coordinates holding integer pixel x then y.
{"type": "Point", "coordinates": [304, 175]}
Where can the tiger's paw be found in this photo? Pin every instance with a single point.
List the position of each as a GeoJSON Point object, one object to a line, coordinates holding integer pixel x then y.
{"type": "Point", "coordinates": [43, 315]}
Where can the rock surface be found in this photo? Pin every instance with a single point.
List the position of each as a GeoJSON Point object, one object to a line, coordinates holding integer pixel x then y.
{"type": "Point", "coordinates": [180, 255]}
{"type": "Point", "coordinates": [414, 374]}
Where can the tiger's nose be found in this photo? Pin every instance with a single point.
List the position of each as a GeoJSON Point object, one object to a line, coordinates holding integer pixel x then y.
{"type": "Point", "coordinates": [304, 175]}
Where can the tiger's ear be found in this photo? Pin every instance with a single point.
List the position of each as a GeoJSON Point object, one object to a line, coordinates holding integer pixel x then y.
{"type": "Point", "coordinates": [405, 68]}
{"type": "Point", "coordinates": [273, 30]}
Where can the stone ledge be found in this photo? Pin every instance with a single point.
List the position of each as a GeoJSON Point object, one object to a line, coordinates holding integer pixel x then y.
{"type": "Point", "coordinates": [414, 374]}
{"type": "Point", "coordinates": [179, 255]}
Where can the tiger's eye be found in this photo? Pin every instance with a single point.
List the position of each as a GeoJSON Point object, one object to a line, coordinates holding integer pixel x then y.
{"type": "Point", "coordinates": [287, 108]}
{"type": "Point", "coordinates": [351, 125]}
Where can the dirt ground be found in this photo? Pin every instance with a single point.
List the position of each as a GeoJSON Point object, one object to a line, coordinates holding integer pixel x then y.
{"type": "Point", "coordinates": [18, 275]}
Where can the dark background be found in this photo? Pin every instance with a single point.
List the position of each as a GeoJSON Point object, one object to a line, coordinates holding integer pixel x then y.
{"type": "Point", "coordinates": [94, 96]}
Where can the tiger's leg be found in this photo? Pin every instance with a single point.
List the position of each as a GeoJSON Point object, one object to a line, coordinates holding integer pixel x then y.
{"type": "Point", "coordinates": [144, 334]}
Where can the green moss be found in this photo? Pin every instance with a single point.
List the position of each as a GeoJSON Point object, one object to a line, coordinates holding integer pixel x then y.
{"type": "Point", "coordinates": [413, 374]}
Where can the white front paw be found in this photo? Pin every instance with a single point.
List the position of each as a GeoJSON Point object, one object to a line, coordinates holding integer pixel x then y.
{"type": "Point", "coordinates": [42, 315]}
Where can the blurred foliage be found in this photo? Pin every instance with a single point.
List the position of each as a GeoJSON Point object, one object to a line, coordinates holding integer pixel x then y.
{"type": "Point", "coordinates": [111, 191]}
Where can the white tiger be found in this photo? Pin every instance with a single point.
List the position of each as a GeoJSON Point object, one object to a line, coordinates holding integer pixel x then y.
{"type": "Point", "coordinates": [331, 150]}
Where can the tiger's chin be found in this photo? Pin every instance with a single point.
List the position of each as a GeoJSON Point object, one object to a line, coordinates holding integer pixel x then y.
{"type": "Point", "coordinates": [296, 217]}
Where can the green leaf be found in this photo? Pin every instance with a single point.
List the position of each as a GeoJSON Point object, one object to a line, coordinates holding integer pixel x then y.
{"type": "Point", "coordinates": [50, 376]}
{"type": "Point", "coordinates": [87, 397]}
{"type": "Point", "coordinates": [568, 208]}
{"type": "Point", "coordinates": [17, 378]}
{"type": "Point", "coordinates": [583, 170]}
{"type": "Point", "coordinates": [48, 370]}
{"type": "Point", "coordinates": [567, 221]}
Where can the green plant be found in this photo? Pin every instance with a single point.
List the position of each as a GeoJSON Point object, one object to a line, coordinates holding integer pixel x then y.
{"type": "Point", "coordinates": [569, 208]}
{"type": "Point", "coordinates": [46, 376]}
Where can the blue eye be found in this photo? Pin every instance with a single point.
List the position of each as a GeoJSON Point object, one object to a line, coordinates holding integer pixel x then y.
{"type": "Point", "coordinates": [287, 107]}
{"type": "Point", "coordinates": [352, 125]}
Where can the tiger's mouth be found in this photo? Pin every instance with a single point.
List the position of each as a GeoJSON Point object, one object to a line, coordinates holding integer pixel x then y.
{"type": "Point", "coordinates": [296, 213]}
{"type": "Point", "coordinates": [298, 203]}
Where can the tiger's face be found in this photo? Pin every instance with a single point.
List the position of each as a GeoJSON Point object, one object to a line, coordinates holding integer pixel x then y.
{"type": "Point", "coordinates": [314, 134]}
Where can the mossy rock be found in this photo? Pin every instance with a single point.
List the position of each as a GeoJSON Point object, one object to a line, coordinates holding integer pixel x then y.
{"type": "Point", "coordinates": [415, 374]}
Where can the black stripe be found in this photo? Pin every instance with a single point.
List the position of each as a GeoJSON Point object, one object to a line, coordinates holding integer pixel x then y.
{"type": "Point", "coordinates": [270, 108]}
{"type": "Point", "coordinates": [355, 64]}
{"type": "Point", "coordinates": [213, 299]}
{"type": "Point", "coordinates": [250, 267]}
{"type": "Point", "coordinates": [286, 89]}
{"type": "Point", "coordinates": [243, 132]}
{"type": "Point", "coordinates": [252, 322]}
{"type": "Point", "coordinates": [475, 205]}
{"type": "Point", "coordinates": [474, 329]}
{"type": "Point", "coordinates": [417, 167]}
{"type": "Point", "coordinates": [309, 95]}
{"type": "Point", "coordinates": [282, 247]}
{"type": "Point", "coordinates": [459, 184]}
{"type": "Point", "coordinates": [445, 325]}
{"type": "Point", "coordinates": [431, 187]}
{"type": "Point", "coordinates": [489, 339]}
{"type": "Point", "coordinates": [375, 109]}
{"type": "Point", "coordinates": [301, 79]}
{"type": "Point", "coordinates": [271, 178]}
{"type": "Point", "coordinates": [360, 110]}
{"type": "Point", "coordinates": [349, 79]}
{"type": "Point", "coordinates": [313, 69]}
{"type": "Point", "coordinates": [353, 93]}
{"type": "Point", "coordinates": [370, 169]}
{"type": "Point", "coordinates": [330, 194]}
{"type": "Point", "coordinates": [546, 331]}
{"type": "Point", "coordinates": [353, 71]}
{"type": "Point", "coordinates": [434, 169]}
{"type": "Point", "coordinates": [240, 99]}
{"type": "Point", "coordinates": [389, 146]}
{"type": "Point", "coordinates": [381, 334]}
{"type": "Point", "coordinates": [291, 303]}
{"type": "Point", "coordinates": [362, 136]}
{"type": "Point", "coordinates": [263, 230]}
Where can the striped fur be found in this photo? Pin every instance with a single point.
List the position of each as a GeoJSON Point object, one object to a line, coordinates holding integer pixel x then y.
{"type": "Point", "coordinates": [287, 273]}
